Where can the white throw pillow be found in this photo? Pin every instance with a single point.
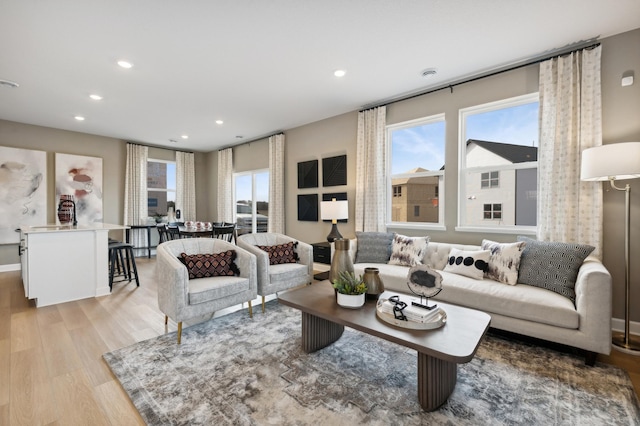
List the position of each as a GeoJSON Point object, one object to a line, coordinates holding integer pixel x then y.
{"type": "Point", "coordinates": [471, 264]}
{"type": "Point", "coordinates": [408, 251]}
{"type": "Point", "coordinates": [504, 262]}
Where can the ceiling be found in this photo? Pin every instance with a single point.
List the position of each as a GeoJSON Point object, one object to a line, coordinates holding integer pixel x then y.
{"type": "Point", "coordinates": [261, 66]}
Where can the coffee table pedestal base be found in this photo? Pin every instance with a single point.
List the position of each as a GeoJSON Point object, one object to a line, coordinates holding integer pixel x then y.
{"type": "Point", "coordinates": [436, 380]}
{"type": "Point", "coordinates": [318, 333]}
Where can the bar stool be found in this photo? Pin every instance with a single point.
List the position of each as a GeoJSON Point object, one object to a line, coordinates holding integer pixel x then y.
{"type": "Point", "coordinates": [121, 256]}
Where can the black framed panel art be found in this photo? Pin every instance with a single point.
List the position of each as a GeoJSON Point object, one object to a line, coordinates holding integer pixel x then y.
{"type": "Point", "coordinates": [334, 171]}
{"type": "Point", "coordinates": [308, 207]}
{"type": "Point", "coordinates": [308, 174]}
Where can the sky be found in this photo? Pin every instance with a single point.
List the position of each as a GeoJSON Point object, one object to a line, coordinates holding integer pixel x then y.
{"type": "Point", "coordinates": [243, 187]}
{"type": "Point", "coordinates": [423, 146]}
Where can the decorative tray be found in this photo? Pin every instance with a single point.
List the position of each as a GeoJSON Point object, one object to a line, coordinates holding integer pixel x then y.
{"type": "Point", "coordinates": [438, 321]}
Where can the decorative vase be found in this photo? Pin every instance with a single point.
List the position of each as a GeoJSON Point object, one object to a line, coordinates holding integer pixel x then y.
{"type": "Point", "coordinates": [375, 286]}
{"type": "Point", "coordinates": [351, 301]}
{"type": "Point", "coordinates": [65, 209]}
{"type": "Point", "coordinates": [341, 259]}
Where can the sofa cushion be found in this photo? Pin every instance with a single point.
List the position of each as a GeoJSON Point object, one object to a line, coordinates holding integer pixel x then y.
{"type": "Point", "coordinates": [408, 251]}
{"type": "Point", "coordinates": [281, 253]}
{"type": "Point", "coordinates": [204, 265]}
{"type": "Point", "coordinates": [374, 247]}
{"type": "Point", "coordinates": [552, 265]}
{"type": "Point", "coordinates": [504, 261]}
{"type": "Point", "coordinates": [471, 264]}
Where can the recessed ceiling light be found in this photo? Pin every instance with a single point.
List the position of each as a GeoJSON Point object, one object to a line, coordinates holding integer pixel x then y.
{"type": "Point", "coordinates": [185, 136]}
{"type": "Point", "coordinates": [173, 141]}
{"type": "Point", "coordinates": [339, 73]}
{"type": "Point", "coordinates": [79, 118]}
{"type": "Point", "coordinates": [429, 72]}
{"type": "Point", "coordinates": [219, 122]}
{"type": "Point", "coordinates": [7, 83]}
{"type": "Point", "coordinates": [239, 137]}
{"type": "Point", "coordinates": [96, 97]}
{"type": "Point", "coordinates": [125, 64]}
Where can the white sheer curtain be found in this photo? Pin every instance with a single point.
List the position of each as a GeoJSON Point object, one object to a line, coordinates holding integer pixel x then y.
{"type": "Point", "coordinates": [186, 185]}
{"type": "Point", "coordinates": [135, 192]}
{"type": "Point", "coordinates": [225, 185]}
{"type": "Point", "coordinates": [371, 170]}
{"type": "Point", "coordinates": [276, 184]}
{"type": "Point", "coordinates": [569, 209]}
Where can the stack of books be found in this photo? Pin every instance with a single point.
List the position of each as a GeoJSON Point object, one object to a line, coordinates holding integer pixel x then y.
{"type": "Point", "coordinates": [413, 313]}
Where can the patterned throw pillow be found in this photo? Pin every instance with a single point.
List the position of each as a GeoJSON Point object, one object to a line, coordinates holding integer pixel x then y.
{"type": "Point", "coordinates": [408, 251]}
{"type": "Point", "coordinates": [552, 265]}
{"type": "Point", "coordinates": [210, 265]}
{"type": "Point", "coordinates": [281, 253]}
{"type": "Point", "coordinates": [471, 264]}
{"type": "Point", "coordinates": [374, 247]}
{"type": "Point", "coordinates": [504, 262]}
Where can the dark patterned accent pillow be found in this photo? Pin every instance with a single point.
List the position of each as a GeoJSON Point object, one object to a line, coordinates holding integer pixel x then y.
{"type": "Point", "coordinates": [408, 251]}
{"type": "Point", "coordinates": [504, 262]}
{"type": "Point", "coordinates": [210, 265]}
{"type": "Point", "coordinates": [552, 265]}
{"type": "Point", "coordinates": [374, 247]}
{"type": "Point", "coordinates": [471, 264]}
{"type": "Point", "coordinates": [281, 253]}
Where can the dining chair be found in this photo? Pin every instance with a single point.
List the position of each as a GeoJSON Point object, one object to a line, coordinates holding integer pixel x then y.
{"type": "Point", "coordinates": [173, 232]}
{"type": "Point", "coordinates": [225, 231]}
{"type": "Point", "coordinates": [163, 232]}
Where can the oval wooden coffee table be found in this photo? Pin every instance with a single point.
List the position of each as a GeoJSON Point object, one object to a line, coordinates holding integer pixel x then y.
{"type": "Point", "coordinates": [439, 351]}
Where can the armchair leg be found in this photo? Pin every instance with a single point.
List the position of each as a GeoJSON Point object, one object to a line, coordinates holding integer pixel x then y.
{"type": "Point", "coordinates": [263, 304]}
{"type": "Point", "coordinates": [166, 320]}
{"type": "Point", "coordinates": [179, 332]}
{"type": "Point", "coordinates": [250, 310]}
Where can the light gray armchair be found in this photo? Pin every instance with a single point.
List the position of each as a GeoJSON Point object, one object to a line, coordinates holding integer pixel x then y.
{"type": "Point", "coordinates": [275, 278]}
{"type": "Point", "coordinates": [181, 298]}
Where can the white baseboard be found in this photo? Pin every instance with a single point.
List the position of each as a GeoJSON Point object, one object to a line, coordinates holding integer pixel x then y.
{"type": "Point", "coordinates": [618, 325]}
{"type": "Point", "coordinates": [11, 267]}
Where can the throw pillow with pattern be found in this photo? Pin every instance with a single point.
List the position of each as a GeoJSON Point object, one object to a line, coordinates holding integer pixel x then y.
{"type": "Point", "coordinates": [408, 251]}
{"type": "Point", "coordinates": [281, 253]}
{"type": "Point", "coordinates": [504, 261]}
{"type": "Point", "coordinates": [210, 265]}
{"type": "Point", "coordinates": [471, 264]}
{"type": "Point", "coordinates": [374, 247]}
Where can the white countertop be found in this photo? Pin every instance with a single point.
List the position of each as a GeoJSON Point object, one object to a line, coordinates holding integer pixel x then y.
{"type": "Point", "coordinates": [71, 228]}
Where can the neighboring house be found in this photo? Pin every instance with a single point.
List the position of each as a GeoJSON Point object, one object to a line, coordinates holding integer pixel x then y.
{"type": "Point", "coordinates": [504, 195]}
{"type": "Point", "coordinates": [415, 199]}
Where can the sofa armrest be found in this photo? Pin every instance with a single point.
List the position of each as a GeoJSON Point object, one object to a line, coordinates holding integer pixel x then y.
{"type": "Point", "coordinates": [593, 302]}
{"type": "Point", "coordinates": [173, 283]}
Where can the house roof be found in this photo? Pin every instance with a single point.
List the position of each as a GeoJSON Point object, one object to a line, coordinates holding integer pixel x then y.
{"type": "Point", "coordinates": [510, 152]}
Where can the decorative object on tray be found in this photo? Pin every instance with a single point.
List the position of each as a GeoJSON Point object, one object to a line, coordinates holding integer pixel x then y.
{"type": "Point", "coordinates": [341, 261]}
{"type": "Point", "coordinates": [350, 289]}
{"type": "Point", "coordinates": [375, 286]}
{"type": "Point", "coordinates": [425, 282]}
{"type": "Point", "coordinates": [403, 313]}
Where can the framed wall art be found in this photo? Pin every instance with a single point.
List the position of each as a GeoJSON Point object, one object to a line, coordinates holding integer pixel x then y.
{"type": "Point", "coordinates": [81, 177]}
{"type": "Point", "coordinates": [308, 207]}
{"type": "Point", "coordinates": [334, 171]}
{"type": "Point", "coordinates": [308, 174]}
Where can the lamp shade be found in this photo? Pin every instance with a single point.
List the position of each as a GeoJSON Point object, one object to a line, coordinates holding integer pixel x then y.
{"type": "Point", "coordinates": [618, 161]}
{"type": "Point", "coordinates": [334, 210]}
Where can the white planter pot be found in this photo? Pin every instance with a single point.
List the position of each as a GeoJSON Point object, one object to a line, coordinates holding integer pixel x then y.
{"type": "Point", "coordinates": [351, 301]}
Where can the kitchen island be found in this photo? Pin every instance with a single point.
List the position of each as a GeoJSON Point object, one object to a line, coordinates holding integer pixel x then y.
{"type": "Point", "coordinates": [61, 263]}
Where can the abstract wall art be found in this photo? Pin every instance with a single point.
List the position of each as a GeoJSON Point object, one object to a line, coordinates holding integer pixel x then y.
{"type": "Point", "coordinates": [334, 171]}
{"type": "Point", "coordinates": [81, 177]}
{"type": "Point", "coordinates": [308, 207]}
{"type": "Point", "coordinates": [308, 174]}
{"type": "Point", "coordinates": [23, 191]}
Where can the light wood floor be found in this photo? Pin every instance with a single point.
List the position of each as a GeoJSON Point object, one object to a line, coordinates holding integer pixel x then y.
{"type": "Point", "coordinates": [51, 366]}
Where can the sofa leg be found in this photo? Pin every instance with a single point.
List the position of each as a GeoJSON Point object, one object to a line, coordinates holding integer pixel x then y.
{"type": "Point", "coordinates": [250, 310]}
{"type": "Point", "coordinates": [263, 304]}
{"type": "Point", "coordinates": [179, 332]}
{"type": "Point", "coordinates": [590, 358]}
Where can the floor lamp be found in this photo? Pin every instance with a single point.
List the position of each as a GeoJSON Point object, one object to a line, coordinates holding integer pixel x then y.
{"type": "Point", "coordinates": [617, 162]}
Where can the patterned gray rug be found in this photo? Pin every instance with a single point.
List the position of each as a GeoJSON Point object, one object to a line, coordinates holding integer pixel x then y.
{"type": "Point", "coordinates": [241, 371]}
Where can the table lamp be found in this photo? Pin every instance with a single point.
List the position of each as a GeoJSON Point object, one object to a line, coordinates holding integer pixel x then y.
{"type": "Point", "coordinates": [613, 162]}
{"type": "Point", "coordinates": [334, 210]}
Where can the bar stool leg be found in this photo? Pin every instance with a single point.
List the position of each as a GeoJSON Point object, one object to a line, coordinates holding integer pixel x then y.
{"type": "Point", "coordinates": [133, 262]}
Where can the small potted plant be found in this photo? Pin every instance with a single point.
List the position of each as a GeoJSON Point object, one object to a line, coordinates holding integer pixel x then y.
{"type": "Point", "coordinates": [350, 289]}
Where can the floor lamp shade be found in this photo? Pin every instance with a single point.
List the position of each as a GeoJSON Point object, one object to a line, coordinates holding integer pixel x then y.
{"type": "Point", "coordinates": [334, 210]}
{"type": "Point", "coordinates": [615, 162]}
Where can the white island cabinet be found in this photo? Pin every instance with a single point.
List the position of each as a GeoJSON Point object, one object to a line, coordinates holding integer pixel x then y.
{"type": "Point", "coordinates": [63, 263]}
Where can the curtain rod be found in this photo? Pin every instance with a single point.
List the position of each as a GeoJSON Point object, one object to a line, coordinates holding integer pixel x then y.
{"type": "Point", "coordinates": [160, 147]}
{"type": "Point", "coordinates": [252, 140]}
{"type": "Point", "coordinates": [589, 44]}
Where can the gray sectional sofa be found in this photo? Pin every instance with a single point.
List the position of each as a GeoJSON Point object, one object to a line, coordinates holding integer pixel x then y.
{"type": "Point", "coordinates": [524, 309]}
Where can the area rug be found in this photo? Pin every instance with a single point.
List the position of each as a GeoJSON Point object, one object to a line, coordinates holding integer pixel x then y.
{"type": "Point", "coordinates": [240, 371]}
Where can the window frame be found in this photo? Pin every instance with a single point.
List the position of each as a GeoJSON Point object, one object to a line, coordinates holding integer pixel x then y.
{"type": "Point", "coordinates": [440, 189]}
{"type": "Point", "coordinates": [463, 113]}
{"type": "Point", "coordinates": [167, 190]}
{"type": "Point", "coordinates": [254, 204]}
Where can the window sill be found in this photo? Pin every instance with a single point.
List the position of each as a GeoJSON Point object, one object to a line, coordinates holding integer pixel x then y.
{"type": "Point", "coordinates": [417, 226]}
{"type": "Point", "coordinates": [522, 230]}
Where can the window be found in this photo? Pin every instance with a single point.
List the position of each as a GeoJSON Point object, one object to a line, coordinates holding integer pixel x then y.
{"type": "Point", "coordinates": [489, 180]}
{"type": "Point", "coordinates": [252, 201]}
{"type": "Point", "coordinates": [498, 173]}
{"type": "Point", "coordinates": [161, 187]}
{"type": "Point", "coordinates": [416, 170]}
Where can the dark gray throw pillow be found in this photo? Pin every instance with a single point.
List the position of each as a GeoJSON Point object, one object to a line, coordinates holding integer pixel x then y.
{"type": "Point", "coordinates": [552, 265]}
{"type": "Point", "coordinates": [374, 247]}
